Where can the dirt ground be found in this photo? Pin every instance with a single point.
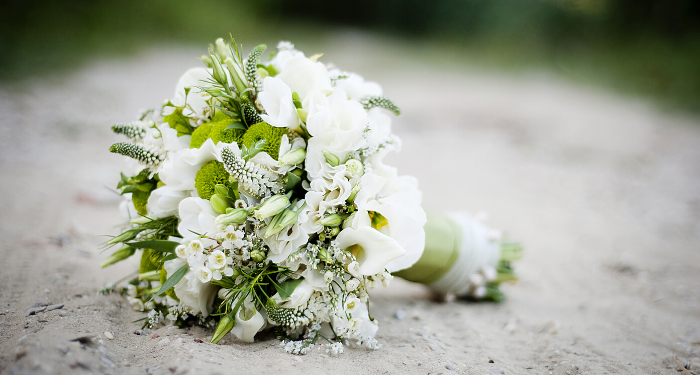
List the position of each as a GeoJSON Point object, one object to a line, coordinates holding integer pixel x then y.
{"type": "Point", "coordinates": [603, 192]}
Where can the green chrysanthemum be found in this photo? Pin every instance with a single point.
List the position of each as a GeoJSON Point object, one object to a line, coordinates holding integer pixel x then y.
{"type": "Point", "coordinates": [271, 134]}
{"type": "Point", "coordinates": [200, 135]}
{"type": "Point", "coordinates": [209, 175]}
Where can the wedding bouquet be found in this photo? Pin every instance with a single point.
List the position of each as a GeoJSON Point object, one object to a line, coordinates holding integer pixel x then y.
{"type": "Point", "coordinates": [260, 199]}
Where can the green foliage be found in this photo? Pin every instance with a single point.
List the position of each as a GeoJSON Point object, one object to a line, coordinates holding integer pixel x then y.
{"type": "Point", "coordinates": [271, 134]}
{"type": "Point", "coordinates": [172, 280]}
{"type": "Point", "coordinates": [211, 174]}
{"type": "Point", "coordinates": [179, 122]}
{"type": "Point", "coordinates": [140, 199]}
{"type": "Point", "coordinates": [221, 132]}
{"type": "Point", "coordinates": [163, 277]}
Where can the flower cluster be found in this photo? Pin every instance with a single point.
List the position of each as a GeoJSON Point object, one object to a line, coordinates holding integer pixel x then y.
{"type": "Point", "coordinates": [265, 202]}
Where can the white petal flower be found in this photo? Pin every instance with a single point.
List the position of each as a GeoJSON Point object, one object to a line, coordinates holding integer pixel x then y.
{"type": "Point", "coordinates": [352, 304]}
{"type": "Point", "coordinates": [198, 296]}
{"type": "Point", "coordinates": [276, 98]}
{"type": "Point", "coordinates": [204, 274]}
{"type": "Point", "coordinates": [217, 259]}
{"type": "Point", "coordinates": [197, 218]}
{"type": "Point", "coordinates": [373, 250]}
{"type": "Point", "coordinates": [249, 321]}
{"type": "Point", "coordinates": [301, 294]}
{"type": "Point", "coordinates": [353, 283]}
{"type": "Point", "coordinates": [196, 100]}
{"type": "Point", "coordinates": [181, 251]}
{"type": "Point", "coordinates": [305, 76]}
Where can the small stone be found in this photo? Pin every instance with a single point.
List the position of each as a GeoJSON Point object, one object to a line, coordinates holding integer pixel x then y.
{"type": "Point", "coordinates": [63, 313]}
{"type": "Point", "coordinates": [138, 332]}
{"type": "Point", "coordinates": [450, 367]}
{"type": "Point", "coordinates": [20, 352]}
{"type": "Point", "coordinates": [163, 342]}
{"type": "Point", "coordinates": [47, 291]}
{"type": "Point", "coordinates": [496, 370]}
{"type": "Point", "coordinates": [198, 341]}
{"type": "Point", "coordinates": [54, 307]}
{"type": "Point", "coordinates": [155, 336]}
{"type": "Point", "coordinates": [109, 335]}
{"type": "Point", "coordinates": [401, 314]}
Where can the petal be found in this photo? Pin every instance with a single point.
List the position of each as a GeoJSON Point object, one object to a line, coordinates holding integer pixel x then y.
{"type": "Point", "coordinates": [374, 250]}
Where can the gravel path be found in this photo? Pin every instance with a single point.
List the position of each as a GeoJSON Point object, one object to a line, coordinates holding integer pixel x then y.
{"type": "Point", "coordinates": [603, 191]}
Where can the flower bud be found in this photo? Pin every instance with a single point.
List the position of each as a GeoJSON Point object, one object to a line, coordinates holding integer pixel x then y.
{"type": "Point", "coordinates": [302, 114]}
{"type": "Point", "coordinates": [331, 220]}
{"type": "Point", "coordinates": [235, 217]}
{"type": "Point", "coordinates": [355, 168]}
{"type": "Point", "coordinates": [218, 72]}
{"type": "Point", "coordinates": [236, 74]}
{"type": "Point", "coordinates": [219, 204]}
{"type": "Point", "coordinates": [334, 231]}
{"type": "Point", "coordinates": [222, 49]}
{"type": "Point", "coordinates": [283, 220]}
{"type": "Point", "coordinates": [331, 159]}
{"type": "Point", "coordinates": [325, 256]}
{"type": "Point", "coordinates": [296, 99]}
{"type": "Point", "coordinates": [293, 156]}
{"type": "Point", "coordinates": [126, 236]}
{"type": "Point", "coordinates": [221, 189]}
{"type": "Point", "coordinates": [257, 255]}
{"type": "Point", "coordinates": [353, 193]}
{"type": "Point", "coordinates": [119, 255]}
{"type": "Point", "coordinates": [271, 207]}
{"type": "Point", "coordinates": [225, 326]}
{"type": "Point", "coordinates": [352, 284]}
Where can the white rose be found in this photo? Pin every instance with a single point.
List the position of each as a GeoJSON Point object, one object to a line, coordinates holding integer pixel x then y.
{"type": "Point", "coordinates": [198, 296]}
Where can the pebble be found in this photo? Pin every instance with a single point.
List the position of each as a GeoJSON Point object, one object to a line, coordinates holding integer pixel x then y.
{"type": "Point", "coordinates": [496, 370]}
{"type": "Point", "coordinates": [109, 335]}
{"type": "Point", "coordinates": [138, 332]}
{"type": "Point", "coordinates": [163, 342]}
{"type": "Point", "coordinates": [450, 367]}
{"type": "Point", "coordinates": [54, 307]}
{"type": "Point", "coordinates": [401, 314]}
{"type": "Point", "coordinates": [62, 313]}
{"type": "Point", "coordinates": [155, 336]}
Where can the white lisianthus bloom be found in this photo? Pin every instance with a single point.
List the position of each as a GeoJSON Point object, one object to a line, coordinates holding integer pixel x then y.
{"type": "Point", "coordinates": [249, 321]}
{"type": "Point", "coordinates": [398, 200]}
{"type": "Point", "coordinates": [305, 76]}
{"type": "Point", "coordinates": [192, 293]}
{"type": "Point", "coordinates": [336, 126]}
{"type": "Point", "coordinates": [217, 259]}
{"type": "Point", "coordinates": [197, 218]}
{"type": "Point", "coordinates": [373, 249]}
{"type": "Point", "coordinates": [196, 100]}
{"type": "Point", "coordinates": [276, 98]}
{"type": "Point", "coordinates": [301, 294]}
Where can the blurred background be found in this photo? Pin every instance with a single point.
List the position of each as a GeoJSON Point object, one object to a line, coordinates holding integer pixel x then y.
{"type": "Point", "coordinates": [646, 48]}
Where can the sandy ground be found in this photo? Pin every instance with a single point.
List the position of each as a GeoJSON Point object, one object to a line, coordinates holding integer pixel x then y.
{"type": "Point", "coordinates": [602, 190]}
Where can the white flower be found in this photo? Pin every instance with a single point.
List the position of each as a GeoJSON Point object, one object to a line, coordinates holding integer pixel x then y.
{"type": "Point", "coordinates": [181, 251]}
{"type": "Point", "coordinates": [354, 269]}
{"type": "Point", "coordinates": [351, 304]}
{"type": "Point", "coordinates": [204, 274]}
{"type": "Point", "coordinates": [276, 98]}
{"type": "Point", "coordinates": [228, 271]}
{"type": "Point", "coordinates": [197, 218]}
{"type": "Point", "coordinates": [196, 100]}
{"type": "Point", "coordinates": [373, 250]}
{"type": "Point", "coordinates": [305, 76]}
{"type": "Point", "coordinates": [195, 247]}
{"type": "Point", "coordinates": [353, 283]}
{"type": "Point", "coordinates": [232, 237]}
{"type": "Point", "coordinates": [328, 276]}
{"type": "Point", "coordinates": [249, 321]}
{"type": "Point", "coordinates": [192, 293]}
{"type": "Point", "coordinates": [301, 294]}
{"type": "Point", "coordinates": [355, 86]}
{"type": "Point", "coordinates": [217, 260]}
{"type": "Point", "coordinates": [216, 275]}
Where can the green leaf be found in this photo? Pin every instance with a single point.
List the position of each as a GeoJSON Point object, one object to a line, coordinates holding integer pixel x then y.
{"type": "Point", "coordinates": [254, 149]}
{"type": "Point", "coordinates": [236, 125]}
{"type": "Point", "coordinates": [170, 256]}
{"type": "Point", "coordinates": [172, 280]}
{"type": "Point", "coordinates": [286, 288]}
{"type": "Point", "coordinates": [179, 122]}
{"type": "Point", "coordinates": [162, 246]}
{"type": "Point", "coordinates": [292, 181]}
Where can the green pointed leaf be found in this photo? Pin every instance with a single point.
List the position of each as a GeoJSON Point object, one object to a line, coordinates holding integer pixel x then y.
{"type": "Point", "coordinates": [292, 181]}
{"type": "Point", "coordinates": [236, 125]}
{"type": "Point", "coordinates": [162, 246]}
{"type": "Point", "coordinates": [172, 280]}
{"type": "Point", "coordinates": [285, 289]}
